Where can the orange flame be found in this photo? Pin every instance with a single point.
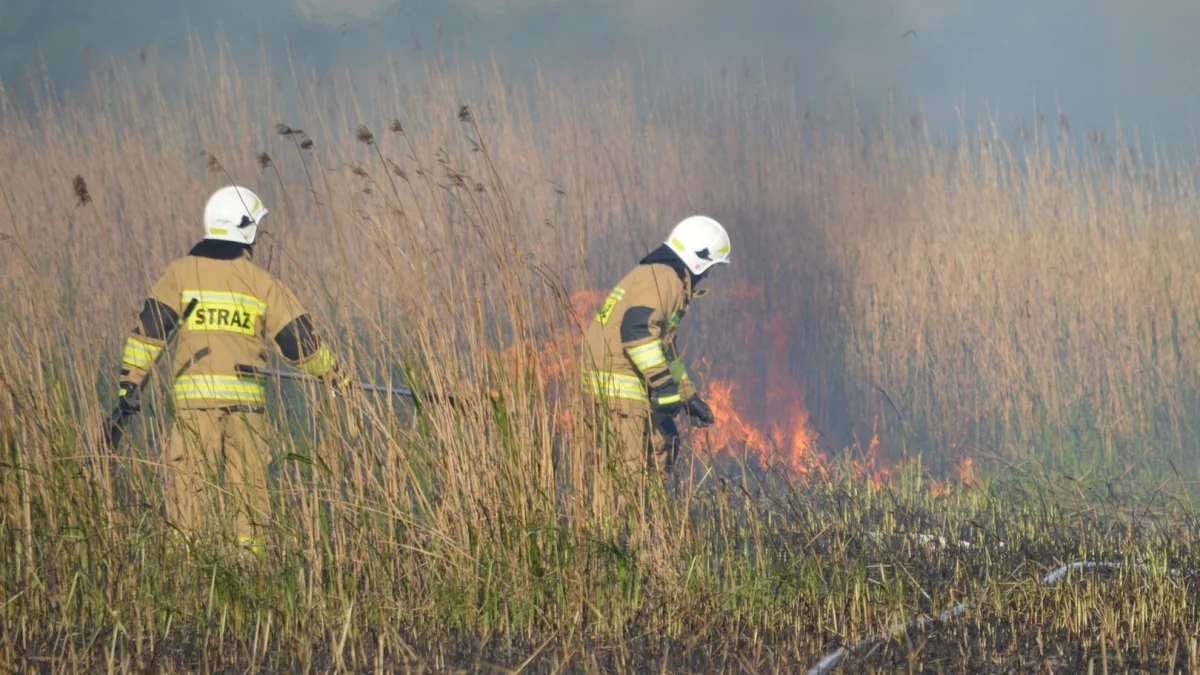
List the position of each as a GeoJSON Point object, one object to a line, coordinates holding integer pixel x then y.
{"type": "Point", "coordinates": [773, 428]}
{"type": "Point", "coordinates": [965, 468]}
{"type": "Point", "coordinates": [789, 441]}
{"type": "Point", "coordinates": [967, 480]}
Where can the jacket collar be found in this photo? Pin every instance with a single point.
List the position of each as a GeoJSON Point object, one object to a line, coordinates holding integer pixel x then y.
{"type": "Point", "coordinates": [221, 250]}
{"type": "Point", "coordinates": [663, 255]}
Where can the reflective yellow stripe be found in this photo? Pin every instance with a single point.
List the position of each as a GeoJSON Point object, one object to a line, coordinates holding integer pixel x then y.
{"type": "Point", "coordinates": [679, 370]}
{"type": "Point", "coordinates": [673, 398]}
{"type": "Point", "coordinates": [723, 250]}
{"type": "Point", "coordinates": [614, 385]}
{"type": "Point", "coordinates": [318, 364]}
{"type": "Point", "coordinates": [611, 301]}
{"type": "Point", "coordinates": [649, 355]}
{"type": "Point", "coordinates": [140, 354]}
{"type": "Point", "coordinates": [252, 544]}
{"type": "Point", "coordinates": [219, 388]}
{"type": "Point", "coordinates": [226, 297]}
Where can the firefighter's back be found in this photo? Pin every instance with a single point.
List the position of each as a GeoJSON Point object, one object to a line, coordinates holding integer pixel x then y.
{"type": "Point", "coordinates": [228, 327]}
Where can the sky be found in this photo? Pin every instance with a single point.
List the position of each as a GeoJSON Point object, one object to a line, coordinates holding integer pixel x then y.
{"type": "Point", "coordinates": [1099, 60]}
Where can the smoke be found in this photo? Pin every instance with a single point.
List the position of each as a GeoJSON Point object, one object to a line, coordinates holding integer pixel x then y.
{"type": "Point", "coordinates": [1097, 59]}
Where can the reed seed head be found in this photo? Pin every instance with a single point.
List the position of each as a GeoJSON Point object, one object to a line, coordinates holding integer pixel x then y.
{"type": "Point", "coordinates": [82, 196]}
{"type": "Point", "coordinates": [397, 171]}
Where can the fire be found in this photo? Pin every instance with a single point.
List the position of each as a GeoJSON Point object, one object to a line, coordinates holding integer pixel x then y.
{"type": "Point", "coordinates": [964, 469]}
{"type": "Point", "coordinates": [763, 419]}
{"type": "Point", "coordinates": [585, 303]}
{"type": "Point", "coordinates": [730, 433]}
{"type": "Point", "coordinates": [938, 488]}
{"type": "Point", "coordinates": [788, 441]}
{"type": "Point", "coordinates": [555, 356]}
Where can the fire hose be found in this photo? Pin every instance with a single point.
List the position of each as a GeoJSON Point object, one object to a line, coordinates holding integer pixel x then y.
{"type": "Point", "coordinates": [364, 386]}
{"type": "Point", "coordinates": [832, 660]}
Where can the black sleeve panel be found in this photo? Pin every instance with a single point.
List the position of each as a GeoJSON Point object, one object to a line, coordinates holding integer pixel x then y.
{"type": "Point", "coordinates": [661, 378]}
{"type": "Point", "coordinates": [157, 319]}
{"type": "Point", "coordinates": [298, 340]}
{"type": "Point", "coordinates": [636, 324]}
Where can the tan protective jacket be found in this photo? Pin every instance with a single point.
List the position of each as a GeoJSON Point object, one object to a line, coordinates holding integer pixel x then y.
{"type": "Point", "coordinates": [630, 346]}
{"type": "Point", "coordinates": [240, 306]}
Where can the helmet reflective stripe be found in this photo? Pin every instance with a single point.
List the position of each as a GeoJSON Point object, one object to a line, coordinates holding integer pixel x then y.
{"type": "Point", "coordinates": [700, 242]}
{"type": "Point", "coordinates": [233, 213]}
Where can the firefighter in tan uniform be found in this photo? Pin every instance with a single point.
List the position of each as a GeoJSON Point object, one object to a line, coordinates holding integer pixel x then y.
{"type": "Point", "coordinates": [220, 423]}
{"type": "Point", "coordinates": [631, 365]}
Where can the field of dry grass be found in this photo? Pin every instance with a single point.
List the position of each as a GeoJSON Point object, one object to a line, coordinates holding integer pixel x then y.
{"type": "Point", "coordinates": [1011, 302]}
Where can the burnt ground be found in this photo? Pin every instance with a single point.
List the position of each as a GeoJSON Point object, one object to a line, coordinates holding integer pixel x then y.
{"type": "Point", "coordinates": [998, 645]}
{"type": "Point", "coordinates": [967, 646]}
{"type": "Point", "coordinates": [984, 640]}
{"type": "Point", "coordinates": [1012, 629]}
{"type": "Point", "coordinates": [1004, 638]}
{"type": "Point", "coordinates": [451, 653]}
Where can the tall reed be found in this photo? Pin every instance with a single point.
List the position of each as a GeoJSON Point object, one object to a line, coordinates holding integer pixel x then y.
{"type": "Point", "coordinates": [1012, 298]}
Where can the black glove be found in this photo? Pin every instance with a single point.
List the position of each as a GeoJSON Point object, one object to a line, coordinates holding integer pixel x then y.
{"type": "Point", "coordinates": [699, 412]}
{"type": "Point", "coordinates": [665, 399]}
{"type": "Point", "coordinates": [131, 400]}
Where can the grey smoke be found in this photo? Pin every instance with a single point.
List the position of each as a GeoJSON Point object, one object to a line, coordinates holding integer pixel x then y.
{"type": "Point", "coordinates": [1097, 59]}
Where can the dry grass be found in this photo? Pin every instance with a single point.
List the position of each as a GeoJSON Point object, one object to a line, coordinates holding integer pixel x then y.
{"type": "Point", "coordinates": [1022, 299]}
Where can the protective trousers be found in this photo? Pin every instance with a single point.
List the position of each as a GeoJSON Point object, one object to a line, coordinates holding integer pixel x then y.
{"type": "Point", "coordinates": [217, 473]}
{"type": "Point", "coordinates": [639, 448]}
{"type": "Point", "coordinates": [644, 441]}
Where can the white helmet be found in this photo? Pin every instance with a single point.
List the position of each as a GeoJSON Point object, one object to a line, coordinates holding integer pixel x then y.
{"type": "Point", "coordinates": [700, 242]}
{"type": "Point", "coordinates": [233, 214]}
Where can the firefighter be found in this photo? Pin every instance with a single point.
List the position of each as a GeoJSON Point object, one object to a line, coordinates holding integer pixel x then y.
{"type": "Point", "coordinates": [219, 433]}
{"type": "Point", "coordinates": [631, 364]}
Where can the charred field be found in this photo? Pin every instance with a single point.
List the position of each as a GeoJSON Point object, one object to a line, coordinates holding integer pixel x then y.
{"type": "Point", "coordinates": [953, 381]}
{"type": "Point", "coordinates": [785, 582]}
